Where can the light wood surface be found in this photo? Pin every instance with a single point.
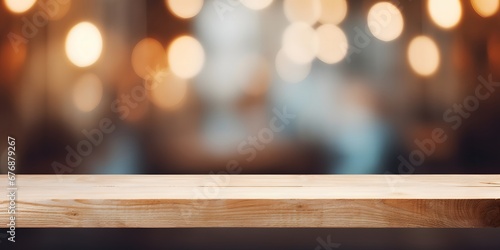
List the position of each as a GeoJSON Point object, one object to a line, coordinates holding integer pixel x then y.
{"type": "Point", "coordinates": [153, 201]}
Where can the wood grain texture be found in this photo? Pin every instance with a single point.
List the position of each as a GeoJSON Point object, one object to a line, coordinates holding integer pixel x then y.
{"type": "Point", "coordinates": [159, 201]}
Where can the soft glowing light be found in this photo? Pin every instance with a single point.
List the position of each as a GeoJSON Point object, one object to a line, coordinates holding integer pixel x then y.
{"type": "Point", "coordinates": [300, 42]}
{"type": "Point", "coordinates": [19, 6]}
{"type": "Point", "coordinates": [16, 58]}
{"type": "Point", "coordinates": [256, 4]}
{"type": "Point", "coordinates": [186, 57]}
{"type": "Point", "coordinates": [87, 92]}
{"type": "Point", "coordinates": [307, 11]}
{"type": "Point", "coordinates": [445, 13]}
{"type": "Point", "coordinates": [147, 56]}
{"type": "Point", "coordinates": [333, 11]}
{"type": "Point", "coordinates": [170, 90]}
{"type": "Point", "coordinates": [423, 55]}
{"type": "Point", "coordinates": [290, 71]}
{"type": "Point", "coordinates": [84, 44]}
{"type": "Point", "coordinates": [332, 43]}
{"type": "Point", "coordinates": [385, 21]}
{"type": "Point", "coordinates": [184, 8]}
{"type": "Point", "coordinates": [485, 8]}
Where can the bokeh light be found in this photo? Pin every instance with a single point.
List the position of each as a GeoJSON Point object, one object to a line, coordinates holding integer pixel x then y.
{"type": "Point", "coordinates": [300, 42]}
{"type": "Point", "coordinates": [385, 21]}
{"type": "Point", "coordinates": [184, 8]}
{"type": "Point", "coordinates": [170, 90]}
{"type": "Point", "coordinates": [307, 11]}
{"type": "Point", "coordinates": [16, 58]}
{"type": "Point", "coordinates": [84, 44]}
{"type": "Point", "coordinates": [445, 13]}
{"type": "Point", "coordinates": [19, 6]}
{"type": "Point", "coordinates": [333, 43]}
{"type": "Point", "coordinates": [87, 92]}
{"type": "Point", "coordinates": [256, 4]}
{"type": "Point", "coordinates": [485, 8]}
{"type": "Point", "coordinates": [186, 56]}
{"type": "Point", "coordinates": [290, 71]}
{"type": "Point", "coordinates": [333, 11]}
{"type": "Point", "coordinates": [423, 55]}
{"type": "Point", "coordinates": [147, 56]}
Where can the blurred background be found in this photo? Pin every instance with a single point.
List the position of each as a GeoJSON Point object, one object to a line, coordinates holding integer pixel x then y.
{"type": "Point", "coordinates": [261, 86]}
{"type": "Point", "coordinates": [189, 86]}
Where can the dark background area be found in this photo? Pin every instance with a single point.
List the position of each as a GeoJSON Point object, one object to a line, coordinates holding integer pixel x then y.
{"type": "Point", "coordinates": [253, 238]}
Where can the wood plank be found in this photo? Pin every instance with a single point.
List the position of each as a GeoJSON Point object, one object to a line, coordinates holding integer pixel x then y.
{"type": "Point", "coordinates": [159, 201]}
